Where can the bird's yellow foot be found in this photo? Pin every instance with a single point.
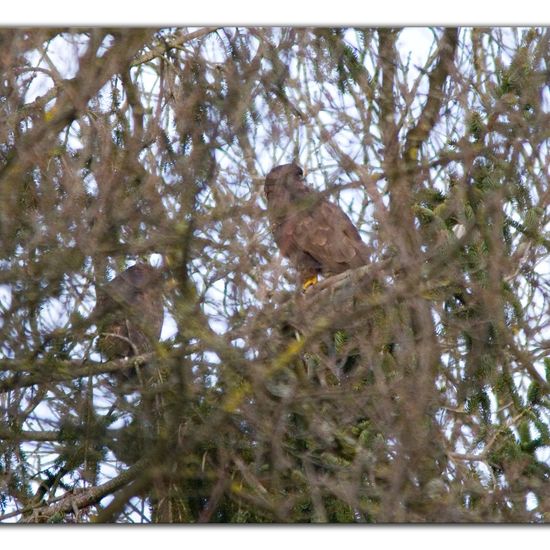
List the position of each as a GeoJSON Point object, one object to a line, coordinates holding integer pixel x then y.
{"type": "Point", "coordinates": [309, 282]}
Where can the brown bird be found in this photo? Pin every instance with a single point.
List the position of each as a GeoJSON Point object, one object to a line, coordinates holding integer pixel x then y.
{"type": "Point", "coordinates": [129, 312]}
{"type": "Point", "coordinates": [314, 234]}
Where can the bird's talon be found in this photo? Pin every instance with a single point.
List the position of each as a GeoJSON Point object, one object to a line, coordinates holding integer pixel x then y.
{"type": "Point", "coordinates": [309, 282]}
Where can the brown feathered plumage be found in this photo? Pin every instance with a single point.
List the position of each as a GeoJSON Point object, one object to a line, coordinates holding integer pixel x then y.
{"type": "Point", "coordinates": [316, 235]}
{"type": "Point", "coordinates": [129, 312]}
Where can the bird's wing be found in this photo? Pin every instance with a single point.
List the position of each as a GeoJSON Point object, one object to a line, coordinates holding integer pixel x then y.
{"type": "Point", "coordinates": [326, 233]}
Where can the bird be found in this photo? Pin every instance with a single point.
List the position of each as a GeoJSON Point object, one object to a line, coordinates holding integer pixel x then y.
{"type": "Point", "coordinates": [314, 234]}
{"type": "Point", "coordinates": [129, 312]}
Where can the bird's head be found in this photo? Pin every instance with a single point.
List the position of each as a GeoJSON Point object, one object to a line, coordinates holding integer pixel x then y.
{"type": "Point", "coordinates": [142, 275]}
{"type": "Point", "coordinates": [286, 175]}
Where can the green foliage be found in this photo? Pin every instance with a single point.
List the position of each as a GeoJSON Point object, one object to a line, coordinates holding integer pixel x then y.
{"type": "Point", "coordinates": [345, 59]}
{"type": "Point", "coordinates": [476, 126]}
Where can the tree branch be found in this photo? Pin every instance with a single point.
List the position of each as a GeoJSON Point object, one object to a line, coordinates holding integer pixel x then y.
{"type": "Point", "coordinates": [82, 499]}
{"type": "Point", "coordinates": [175, 41]}
{"type": "Point", "coordinates": [387, 55]}
{"type": "Point", "coordinates": [72, 99]}
{"type": "Point", "coordinates": [430, 113]}
{"type": "Point", "coordinates": [62, 371]}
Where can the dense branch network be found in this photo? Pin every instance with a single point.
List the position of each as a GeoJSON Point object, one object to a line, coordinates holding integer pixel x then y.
{"type": "Point", "coordinates": [368, 346]}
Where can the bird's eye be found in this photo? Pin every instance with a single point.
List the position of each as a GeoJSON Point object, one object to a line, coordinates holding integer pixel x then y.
{"type": "Point", "coordinates": [299, 172]}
